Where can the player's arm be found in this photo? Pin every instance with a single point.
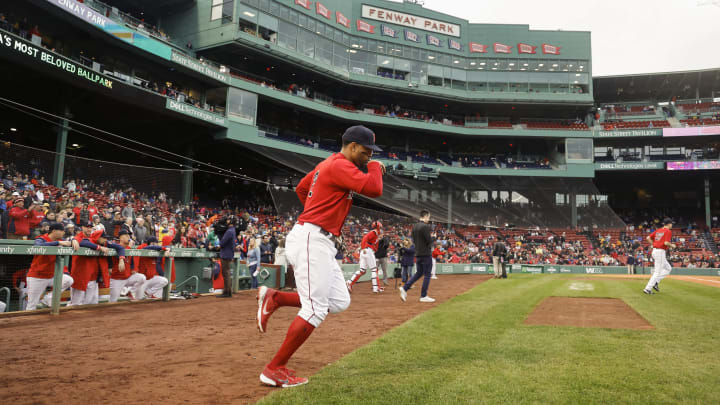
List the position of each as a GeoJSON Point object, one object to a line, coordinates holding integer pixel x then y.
{"type": "Point", "coordinates": [303, 188]}
{"type": "Point", "coordinates": [43, 242]}
{"type": "Point", "coordinates": [347, 175]}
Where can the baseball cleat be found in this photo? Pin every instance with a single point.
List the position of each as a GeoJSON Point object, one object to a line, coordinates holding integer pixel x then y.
{"type": "Point", "coordinates": [266, 307]}
{"type": "Point", "coordinates": [649, 292]}
{"type": "Point", "coordinates": [46, 300]}
{"type": "Point", "coordinates": [434, 277]}
{"type": "Point", "coordinates": [403, 294]}
{"type": "Point", "coordinates": [656, 287]}
{"type": "Point", "coordinates": [349, 285]}
{"type": "Point", "coordinates": [281, 377]}
{"type": "Point", "coordinates": [427, 299]}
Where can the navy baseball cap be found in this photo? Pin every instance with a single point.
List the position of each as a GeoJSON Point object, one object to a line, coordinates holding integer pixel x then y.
{"type": "Point", "coordinates": [361, 135]}
{"type": "Point", "coordinates": [56, 227]}
{"type": "Point", "coordinates": [667, 221]}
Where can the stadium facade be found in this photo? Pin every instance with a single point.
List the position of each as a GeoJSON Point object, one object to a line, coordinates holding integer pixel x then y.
{"type": "Point", "coordinates": [472, 117]}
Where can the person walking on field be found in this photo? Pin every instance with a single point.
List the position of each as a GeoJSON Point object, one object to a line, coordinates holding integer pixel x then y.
{"type": "Point", "coordinates": [498, 258]}
{"type": "Point", "coordinates": [660, 241]}
{"type": "Point", "coordinates": [326, 194]}
{"type": "Point", "coordinates": [423, 240]}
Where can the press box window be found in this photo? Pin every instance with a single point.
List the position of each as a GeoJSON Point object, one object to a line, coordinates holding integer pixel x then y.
{"type": "Point", "coordinates": [222, 9]}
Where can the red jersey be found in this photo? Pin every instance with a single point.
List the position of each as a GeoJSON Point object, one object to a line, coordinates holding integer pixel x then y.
{"type": "Point", "coordinates": [660, 236]}
{"type": "Point", "coordinates": [43, 266]}
{"type": "Point", "coordinates": [370, 240]}
{"type": "Point", "coordinates": [116, 274]}
{"type": "Point", "coordinates": [92, 211]}
{"type": "Point", "coordinates": [437, 253]}
{"type": "Point", "coordinates": [326, 192]}
{"type": "Point", "coordinates": [19, 222]}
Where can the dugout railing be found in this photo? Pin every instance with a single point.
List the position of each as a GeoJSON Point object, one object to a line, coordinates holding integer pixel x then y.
{"type": "Point", "coordinates": [191, 267]}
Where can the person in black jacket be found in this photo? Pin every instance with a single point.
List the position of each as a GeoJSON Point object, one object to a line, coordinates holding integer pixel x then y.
{"type": "Point", "coordinates": [423, 239]}
{"type": "Point", "coordinates": [498, 257]}
{"type": "Point", "coordinates": [381, 257]}
{"type": "Point", "coordinates": [407, 260]}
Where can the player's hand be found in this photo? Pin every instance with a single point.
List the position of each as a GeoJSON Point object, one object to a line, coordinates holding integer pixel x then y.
{"type": "Point", "coordinates": [104, 250]}
{"type": "Point", "coordinates": [121, 266]}
{"type": "Point", "coordinates": [672, 245]}
{"type": "Point", "coordinates": [64, 243]}
{"type": "Point", "coordinates": [383, 170]}
{"type": "Point", "coordinates": [75, 245]}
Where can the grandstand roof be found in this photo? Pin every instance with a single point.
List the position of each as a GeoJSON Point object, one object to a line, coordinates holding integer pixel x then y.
{"type": "Point", "coordinates": [661, 86]}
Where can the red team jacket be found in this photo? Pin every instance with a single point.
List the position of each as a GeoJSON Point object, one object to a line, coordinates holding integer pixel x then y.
{"type": "Point", "coordinates": [129, 268]}
{"type": "Point", "coordinates": [370, 240]}
{"type": "Point", "coordinates": [42, 266]}
{"type": "Point", "coordinates": [19, 223]}
{"type": "Point", "coordinates": [326, 192]}
{"type": "Point", "coordinates": [86, 268]}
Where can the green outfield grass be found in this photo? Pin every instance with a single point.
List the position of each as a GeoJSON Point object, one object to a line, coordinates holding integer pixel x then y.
{"type": "Point", "coordinates": [475, 349]}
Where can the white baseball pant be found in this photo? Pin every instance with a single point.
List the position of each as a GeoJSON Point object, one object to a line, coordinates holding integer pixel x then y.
{"type": "Point", "coordinates": [89, 296]}
{"type": "Point", "coordinates": [154, 285]}
{"type": "Point", "coordinates": [368, 261]}
{"type": "Point", "coordinates": [135, 283]}
{"type": "Point", "coordinates": [318, 277]}
{"type": "Point", "coordinates": [661, 270]}
{"type": "Point", "coordinates": [37, 286]}
{"type": "Point", "coordinates": [433, 268]}
{"type": "Point", "coordinates": [2, 307]}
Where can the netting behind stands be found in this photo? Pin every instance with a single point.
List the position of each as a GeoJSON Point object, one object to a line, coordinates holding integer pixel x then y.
{"type": "Point", "coordinates": [483, 200]}
{"type": "Point", "coordinates": [23, 160]}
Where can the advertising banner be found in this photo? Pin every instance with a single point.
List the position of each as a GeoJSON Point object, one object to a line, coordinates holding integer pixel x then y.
{"type": "Point", "coordinates": [12, 44]}
{"type": "Point", "coordinates": [694, 165]}
{"type": "Point", "coordinates": [691, 131]}
{"type": "Point", "coordinates": [630, 166]}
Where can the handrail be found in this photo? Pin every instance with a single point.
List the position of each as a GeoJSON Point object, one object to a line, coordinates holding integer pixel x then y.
{"type": "Point", "coordinates": [197, 283]}
{"type": "Point", "coordinates": [7, 301]}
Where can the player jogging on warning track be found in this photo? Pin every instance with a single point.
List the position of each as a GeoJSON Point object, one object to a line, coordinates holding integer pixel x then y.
{"type": "Point", "coordinates": [368, 247]}
{"type": "Point", "coordinates": [660, 241]}
{"type": "Point", "coordinates": [326, 193]}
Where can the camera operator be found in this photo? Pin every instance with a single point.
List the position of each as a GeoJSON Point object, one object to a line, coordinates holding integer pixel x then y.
{"type": "Point", "coordinates": [228, 238]}
{"type": "Point", "coordinates": [498, 257]}
{"type": "Point", "coordinates": [381, 257]}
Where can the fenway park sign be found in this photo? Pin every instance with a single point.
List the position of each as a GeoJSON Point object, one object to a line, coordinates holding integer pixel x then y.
{"type": "Point", "coordinates": [409, 20]}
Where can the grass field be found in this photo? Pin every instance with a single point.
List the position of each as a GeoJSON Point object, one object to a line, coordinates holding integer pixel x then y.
{"type": "Point", "coordinates": [476, 349]}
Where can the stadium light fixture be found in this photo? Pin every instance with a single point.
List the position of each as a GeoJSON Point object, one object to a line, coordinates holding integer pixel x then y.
{"type": "Point", "coordinates": [75, 145]}
{"type": "Point", "coordinates": [525, 64]}
{"type": "Point", "coordinates": [555, 65]}
{"type": "Point", "coordinates": [496, 63]}
{"type": "Point", "coordinates": [570, 65]}
{"type": "Point", "coordinates": [431, 57]}
{"type": "Point", "coordinates": [541, 65]}
{"type": "Point", "coordinates": [355, 46]}
{"type": "Point", "coordinates": [472, 63]}
{"type": "Point", "coordinates": [494, 68]}
{"type": "Point", "coordinates": [522, 68]}
{"type": "Point", "coordinates": [13, 129]}
{"type": "Point", "coordinates": [577, 74]}
{"type": "Point", "coordinates": [511, 64]}
{"type": "Point", "coordinates": [482, 63]}
{"type": "Point", "coordinates": [456, 61]}
{"type": "Point", "coordinates": [249, 14]}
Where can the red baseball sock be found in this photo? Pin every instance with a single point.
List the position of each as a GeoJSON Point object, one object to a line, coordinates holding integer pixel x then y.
{"type": "Point", "coordinates": [287, 299]}
{"type": "Point", "coordinates": [298, 332]}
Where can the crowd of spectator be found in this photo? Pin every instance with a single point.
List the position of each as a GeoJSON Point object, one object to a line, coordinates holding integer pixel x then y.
{"type": "Point", "coordinates": [28, 207]}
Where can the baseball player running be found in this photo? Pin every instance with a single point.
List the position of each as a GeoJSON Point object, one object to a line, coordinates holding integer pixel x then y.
{"type": "Point", "coordinates": [368, 247]}
{"type": "Point", "coordinates": [42, 269]}
{"type": "Point", "coordinates": [660, 241]}
{"type": "Point", "coordinates": [326, 193]}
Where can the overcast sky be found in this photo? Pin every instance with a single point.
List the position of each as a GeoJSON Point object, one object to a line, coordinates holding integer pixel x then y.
{"type": "Point", "coordinates": [628, 36]}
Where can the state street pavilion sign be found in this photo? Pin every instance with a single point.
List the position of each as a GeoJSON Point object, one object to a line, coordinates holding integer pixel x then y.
{"type": "Point", "coordinates": [409, 20]}
{"type": "Point", "coordinates": [629, 133]}
{"type": "Point", "coordinates": [200, 67]}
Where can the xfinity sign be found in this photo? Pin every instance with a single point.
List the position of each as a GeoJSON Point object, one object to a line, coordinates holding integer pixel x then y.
{"type": "Point", "coordinates": [409, 20]}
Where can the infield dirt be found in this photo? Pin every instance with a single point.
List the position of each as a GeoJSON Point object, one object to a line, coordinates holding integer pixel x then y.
{"type": "Point", "coordinates": [586, 313]}
{"type": "Point", "coordinates": [205, 350]}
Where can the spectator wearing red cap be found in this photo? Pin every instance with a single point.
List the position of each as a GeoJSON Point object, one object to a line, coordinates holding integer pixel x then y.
{"type": "Point", "coordinates": [19, 223]}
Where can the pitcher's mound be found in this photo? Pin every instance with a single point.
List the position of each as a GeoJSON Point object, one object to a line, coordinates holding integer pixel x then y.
{"type": "Point", "coordinates": [587, 313]}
